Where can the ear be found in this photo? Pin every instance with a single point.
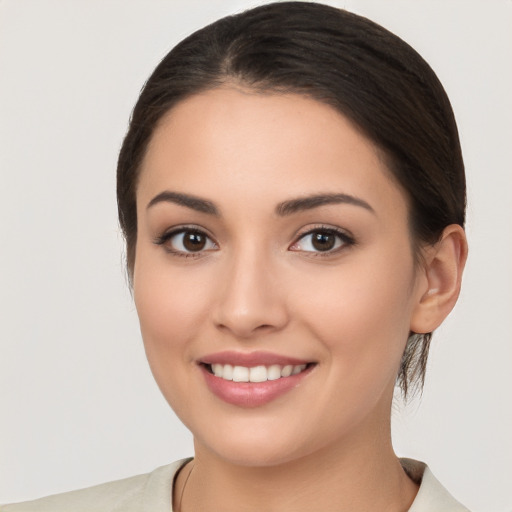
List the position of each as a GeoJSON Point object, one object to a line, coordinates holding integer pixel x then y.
{"type": "Point", "coordinates": [440, 280]}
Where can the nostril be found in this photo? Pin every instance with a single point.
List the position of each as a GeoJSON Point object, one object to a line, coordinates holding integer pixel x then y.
{"type": "Point", "coordinates": [245, 327]}
{"type": "Point", "coordinates": [264, 327]}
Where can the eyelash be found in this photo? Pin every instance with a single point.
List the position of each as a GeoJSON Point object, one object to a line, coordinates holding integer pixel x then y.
{"type": "Point", "coordinates": [346, 239]}
{"type": "Point", "coordinates": [165, 237]}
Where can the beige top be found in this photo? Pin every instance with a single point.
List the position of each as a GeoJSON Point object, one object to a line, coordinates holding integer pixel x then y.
{"type": "Point", "coordinates": [152, 493]}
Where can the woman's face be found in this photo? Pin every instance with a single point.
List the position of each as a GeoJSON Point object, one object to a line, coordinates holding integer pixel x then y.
{"type": "Point", "coordinates": [272, 237]}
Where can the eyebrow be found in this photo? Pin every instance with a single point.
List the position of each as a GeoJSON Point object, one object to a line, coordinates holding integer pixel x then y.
{"type": "Point", "coordinates": [285, 208]}
{"type": "Point", "coordinates": [314, 201]}
{"type": "Point", "coordinates": [192, 202]}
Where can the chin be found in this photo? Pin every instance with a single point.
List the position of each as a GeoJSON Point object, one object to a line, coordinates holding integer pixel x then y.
{"type": "Point", "coordinates": [254, 454]}
{"type": "Point", "coordinates": [266, 444]}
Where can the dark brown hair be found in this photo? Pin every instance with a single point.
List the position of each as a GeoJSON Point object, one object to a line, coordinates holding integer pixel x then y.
{"type": "Point", "coordinates": [354, 65]}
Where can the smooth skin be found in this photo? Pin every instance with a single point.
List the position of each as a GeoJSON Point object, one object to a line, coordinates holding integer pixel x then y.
{"type": "Point", "coordinates": [258, 282]}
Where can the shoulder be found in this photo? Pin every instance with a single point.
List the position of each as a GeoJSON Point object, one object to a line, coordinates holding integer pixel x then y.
{"type": "Point", "coordinates": [104, 497]}
{"type": "Point", "coordinates": [151, 491]}
{"type": "Point", "coordinates": [432, 496]}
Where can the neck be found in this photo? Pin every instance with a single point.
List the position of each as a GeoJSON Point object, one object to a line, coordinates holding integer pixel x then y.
{"type": "Point", "coordinates": [355, 475]}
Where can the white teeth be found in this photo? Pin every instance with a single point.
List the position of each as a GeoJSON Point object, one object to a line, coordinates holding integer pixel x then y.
{"type": "Point", "coordinates": [256, 373]}
{"type": "Point", "coordinates": [299, 368]}
{"type": "Point", "coordinates": [217, 370]}
{"type": "Point", "coordinates": [240, 374]}
{"type": "Point", "coordinates": [274, 372]}
{"type": "Point", "coordinates": [287, 370]}
{"type": "Point", "coordinates": [227, 373]}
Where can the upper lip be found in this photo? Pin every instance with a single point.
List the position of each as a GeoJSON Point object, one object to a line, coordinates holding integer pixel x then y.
{"type": "Point", "coordinates": [250, 359]}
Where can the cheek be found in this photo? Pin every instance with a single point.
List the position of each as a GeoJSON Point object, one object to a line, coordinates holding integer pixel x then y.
{"type": "Point", "coordinates": [170, 311]}
{"type": "Point", "coordinates": [363, 314]}
{"type": "Point", "coordinates": [170, 308]}
{"type": "Point", "coordinates": [159, 308]}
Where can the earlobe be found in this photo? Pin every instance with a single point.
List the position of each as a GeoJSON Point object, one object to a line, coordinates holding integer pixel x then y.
{"type": "Point", "coordinates": [442, 275]}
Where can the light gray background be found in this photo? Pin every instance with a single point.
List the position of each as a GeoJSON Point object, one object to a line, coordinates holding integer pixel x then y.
{"type": "Point", "coordinates": [77, 402]}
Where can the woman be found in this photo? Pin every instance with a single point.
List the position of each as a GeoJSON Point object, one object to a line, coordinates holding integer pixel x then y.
{"type": "Point", "coordinates": [292, 193]}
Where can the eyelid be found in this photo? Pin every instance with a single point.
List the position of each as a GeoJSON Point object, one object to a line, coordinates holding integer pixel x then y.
{"type": "Point", "coordinates": [347, 239]}
{"type": "Point", "coordinates": [171, 232]}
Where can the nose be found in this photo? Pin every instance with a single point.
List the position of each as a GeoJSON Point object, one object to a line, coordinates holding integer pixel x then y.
{"type": "Point", "coordinates": [251, 299]}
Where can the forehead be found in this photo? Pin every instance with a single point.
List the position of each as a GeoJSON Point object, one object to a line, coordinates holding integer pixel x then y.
{"type": "Point", "coordinates": [262, 145]}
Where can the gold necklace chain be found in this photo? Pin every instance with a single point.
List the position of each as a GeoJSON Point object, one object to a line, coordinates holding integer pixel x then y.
{"type": "Point", "coordinates": [184, 486]}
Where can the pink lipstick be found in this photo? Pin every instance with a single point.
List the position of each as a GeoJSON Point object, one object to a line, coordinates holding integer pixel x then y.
{"type": "Point", "coordinates": [252, 379]}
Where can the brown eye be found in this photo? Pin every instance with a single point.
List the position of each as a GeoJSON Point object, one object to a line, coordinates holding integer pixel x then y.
{"type": "Point", "coordinates": [323, 241]}
{"type": "Point", "coordinates": [186, 241]}
{"type": "Point", "coordinates": [193, 241]}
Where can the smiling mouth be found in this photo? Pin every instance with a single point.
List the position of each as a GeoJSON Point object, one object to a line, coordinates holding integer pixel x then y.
{"type": "Point", "coordinates": [255, 374]}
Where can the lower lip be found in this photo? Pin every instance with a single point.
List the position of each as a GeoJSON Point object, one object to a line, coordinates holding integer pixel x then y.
{"type": "Point", "coordinates": [251, 394]}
